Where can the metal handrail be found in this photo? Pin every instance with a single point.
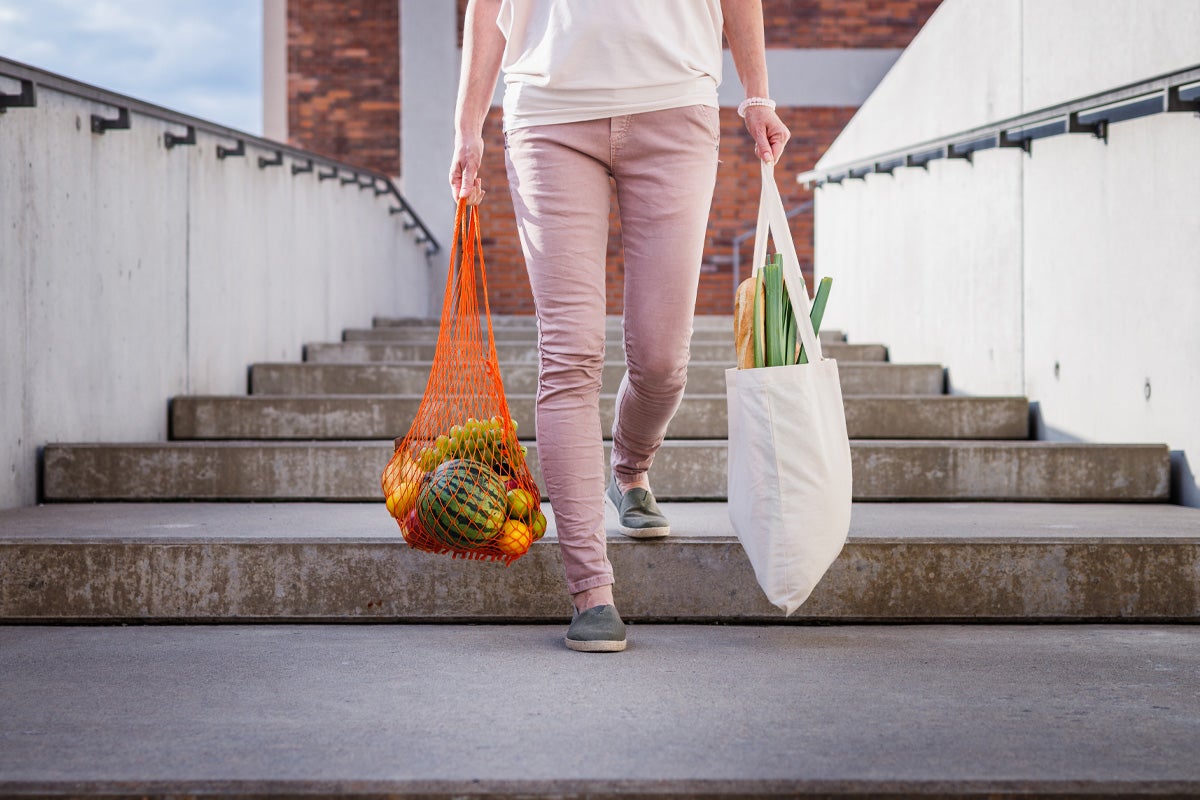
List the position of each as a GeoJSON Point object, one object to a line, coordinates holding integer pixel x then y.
{"type": "Point", "coordinates": [1171, 92]}
{"type": "Point", "coordinates": [31, 78]}
{"type": "Point", "coordinates": [749, 234]}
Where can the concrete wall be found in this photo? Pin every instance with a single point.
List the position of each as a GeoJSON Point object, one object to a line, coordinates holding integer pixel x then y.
{"type": "Point", "coordinates": [1081, 255]}
{"type": "Point", "coordinates": [428, 86]}
{"type": "Point", "coordinates": [130, 273]}
{"type": "Point", "coordinates": [928, 92]}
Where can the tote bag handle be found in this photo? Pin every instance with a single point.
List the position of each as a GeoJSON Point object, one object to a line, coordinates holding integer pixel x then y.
{"type": "Point", "coordinates": [773, 219]}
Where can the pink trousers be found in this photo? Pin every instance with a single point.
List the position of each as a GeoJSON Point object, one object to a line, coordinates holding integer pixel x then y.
{"type": "Point", "coordinates": [664, 164]}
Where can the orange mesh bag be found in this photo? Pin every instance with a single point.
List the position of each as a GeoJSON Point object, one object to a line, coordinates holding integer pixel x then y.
{"type": "Point", "coordinates": [458, 482]}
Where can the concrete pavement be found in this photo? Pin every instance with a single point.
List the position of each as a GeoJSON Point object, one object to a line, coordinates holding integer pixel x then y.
{"type": "Point", "coordinates": [686, 711]}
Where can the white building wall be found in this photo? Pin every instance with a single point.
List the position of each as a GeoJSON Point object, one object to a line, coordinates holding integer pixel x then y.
{"type": "Point", "coordinates": [1075, 48]}
{"type": "Point", "coordinates": [1112, 287]}
{"type": "Point", "coordinates": [928, 93]}
{"type": "Point", "coordinates": [1082, 254]}
{"type": "Point", "coordinates": [930, 264]}
{"type": "Point", "coordinates": [130, 273]}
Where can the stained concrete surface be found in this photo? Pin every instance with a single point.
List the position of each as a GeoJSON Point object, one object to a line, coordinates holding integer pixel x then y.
{"type": "Point", "coordinates": [411, 378]}
{"type": "Point", "coordinates": [290, 706]}
{"type": "Point", "coordinates": [691, 469]}
{"type": "Point", "coordinates": [699, 416]}
{"type": "Point", "coordinates": [370, 522]}
{"type": "Point", "coordinates": [347, 563]}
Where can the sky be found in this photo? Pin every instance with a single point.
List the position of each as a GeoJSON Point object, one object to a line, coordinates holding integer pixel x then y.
{"type": "Point", "coordinates": [201, 57]}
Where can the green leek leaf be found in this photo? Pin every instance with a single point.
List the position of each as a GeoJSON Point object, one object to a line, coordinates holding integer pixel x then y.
{"type": "Point", "coordinates": [817, 313]}
{"type": "Point", "coordinates": [757, 323]}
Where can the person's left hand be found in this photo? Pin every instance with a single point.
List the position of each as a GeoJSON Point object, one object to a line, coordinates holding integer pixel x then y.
{"type": "Point", "coordinates": [768, 131]}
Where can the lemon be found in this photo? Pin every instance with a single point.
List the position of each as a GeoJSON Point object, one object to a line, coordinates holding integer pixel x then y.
{"type": "Point", "coordinates": [403, 498]}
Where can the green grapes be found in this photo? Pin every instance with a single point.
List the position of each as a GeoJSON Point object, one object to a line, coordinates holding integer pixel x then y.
{"type": "Point", "coordinates": [478, 440]}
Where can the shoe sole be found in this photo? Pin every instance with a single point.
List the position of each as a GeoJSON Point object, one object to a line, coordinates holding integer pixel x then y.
{"type": "Point", "coordinates": [637, 533]}
{"type": "Point", "coordinates": [605, 646]}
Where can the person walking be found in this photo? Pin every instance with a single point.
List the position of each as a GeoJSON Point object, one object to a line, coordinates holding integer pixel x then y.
{"type": "Point", "coordinates": [600, 89]}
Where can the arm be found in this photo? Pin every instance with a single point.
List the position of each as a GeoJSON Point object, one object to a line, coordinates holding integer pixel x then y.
{"type": "Point", "coordinates": [744, 31]}
{"type": "Point", "coordinates": [483, 49]}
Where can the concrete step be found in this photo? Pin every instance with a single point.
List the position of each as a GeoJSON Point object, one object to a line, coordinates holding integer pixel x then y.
{"type": "Point", "coordinates": [375, 352]}
{"type": "Point", "coordinates": [367, 347]}
{"type": "Point", "coordinates": [204, 562]}
{"type": "Point", "coordinates": [703, 378]}
{"type": "Point", "coordinates": [528, 321]}
{"type": "Point", "coordinates": [683, 470]}
{"type": "Point", "coordinates": [687, 711]}
{"type": "Point", "coordinates": [363, 350]}
{"type": "Point", "coordinates": [508, 333]}
{"type": "Point", "coordinates": [701, 324]}
{"type": "Point", "coordinates": [699, 417]}
{"type": "Point", "coordinates": [516, 335]}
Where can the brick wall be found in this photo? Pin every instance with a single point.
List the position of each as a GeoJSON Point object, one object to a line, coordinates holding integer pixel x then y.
{"type": "Point", "coordinates": [735, 209]}
{"type": "Point", "coordinates": [844, 23]}
{"type": "Point", "coordinates": [831, 23]}
{"type": "Point", "coordinates": [344, 80]}
{"type": "Point", "coordinates": [344, 100]}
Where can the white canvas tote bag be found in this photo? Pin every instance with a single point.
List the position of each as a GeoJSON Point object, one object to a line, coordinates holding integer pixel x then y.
{"type": "Point", "coordinates": [789, 455]}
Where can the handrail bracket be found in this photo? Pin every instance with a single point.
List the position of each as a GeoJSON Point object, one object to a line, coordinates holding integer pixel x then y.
{"type": "Point", "coordinates": [224, 152]}
{"type": "Point", "coordinates": [175, 140]}
{"type": "Point", "coordinates": [26, 98]}
{"type": "Point", "coordinates": [118, 123]}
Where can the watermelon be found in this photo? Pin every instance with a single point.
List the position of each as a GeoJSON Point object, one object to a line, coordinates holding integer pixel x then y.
{"type": "Point", "coordinates": [463, 504]}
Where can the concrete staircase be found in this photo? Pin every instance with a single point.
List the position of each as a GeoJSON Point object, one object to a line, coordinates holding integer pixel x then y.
{"type": "Point", "coordinates": [967, 521]}
{"type": "Point", "coordinates": [959, 515]}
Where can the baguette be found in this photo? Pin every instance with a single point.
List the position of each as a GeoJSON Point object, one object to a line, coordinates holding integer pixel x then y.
{"type": "Point", "coordinates": [743, 323]}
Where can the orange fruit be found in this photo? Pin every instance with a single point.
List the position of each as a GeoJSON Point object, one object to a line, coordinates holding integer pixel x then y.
{"type": "Point", "coordinates": [402, 467]}
{"type": "Point", "coordinates": [403, 498]}
{"type": "Point", "coordinates": [514, 538]}
{"type": "Point", "coordinates": [409, 470]}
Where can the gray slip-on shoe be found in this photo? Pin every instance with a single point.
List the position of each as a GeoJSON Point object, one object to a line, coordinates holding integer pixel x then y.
{"type": "Point", "coordinates": [597, 630]}
{"type": "Point", "coordinates": [637, 514]}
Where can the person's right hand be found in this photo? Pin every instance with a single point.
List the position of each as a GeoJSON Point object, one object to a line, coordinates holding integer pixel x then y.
{"type": "Point", "coordinates": [464, 170]}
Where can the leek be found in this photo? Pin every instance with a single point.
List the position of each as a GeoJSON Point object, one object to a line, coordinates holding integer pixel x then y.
{"type": "Point", "coordinates": [789, 321]}
{"type": "Point", "coordinates": [818, 311]}
{"type": "Point", "coordinates": [758, 320]}
{"type": "Point", "coordinates": [773, 323]}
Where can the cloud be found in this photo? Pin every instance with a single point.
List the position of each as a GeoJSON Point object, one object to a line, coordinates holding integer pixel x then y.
{"type": "Point", "coordinates": [9, 15]}
{"type": "Point", "coordinates": [201, 57]}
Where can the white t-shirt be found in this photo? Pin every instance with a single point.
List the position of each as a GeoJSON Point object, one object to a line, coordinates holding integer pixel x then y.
{"type": "Point", "coordinates": [575, 60]}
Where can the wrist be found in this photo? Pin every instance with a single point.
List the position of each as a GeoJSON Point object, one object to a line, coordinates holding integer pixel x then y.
{"type": "Point", "coordinates": [469, 126]}
{"type": "Point", "coordinates": [466, 132]}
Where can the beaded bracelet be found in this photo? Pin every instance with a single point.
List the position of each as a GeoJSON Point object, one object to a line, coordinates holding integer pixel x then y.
{"type": "Point", "coordinates": [754, 101]}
